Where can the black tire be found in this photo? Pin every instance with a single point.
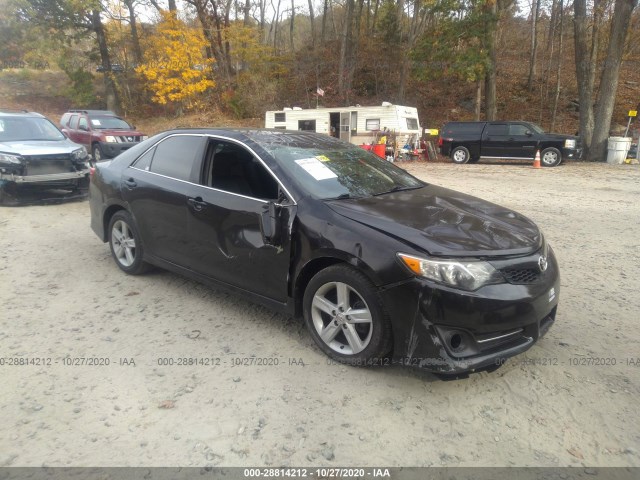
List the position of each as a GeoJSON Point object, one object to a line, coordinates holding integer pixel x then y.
{"type": "Point", "coordinates": [342, 329]}
{"type": "Point", "coordinates": [460, 155]}
{"type": "Point", "coordinates": [97, 154]}
{"type": "Point", "coordinates": [133, 262]}
{"type": "Point", "coordinates": [550, 157]}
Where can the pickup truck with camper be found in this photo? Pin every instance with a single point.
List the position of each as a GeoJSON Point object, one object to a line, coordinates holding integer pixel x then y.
{"type": "Point", "coordinates": [468, 142]}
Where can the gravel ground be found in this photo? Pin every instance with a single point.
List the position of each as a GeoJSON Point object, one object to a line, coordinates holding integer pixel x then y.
{"type": "Point", "coordinates": [572, 400]}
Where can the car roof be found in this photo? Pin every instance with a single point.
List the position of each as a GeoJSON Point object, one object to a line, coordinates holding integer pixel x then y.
{"type": "Point", "coordinates": [93, 112]}
{"type": "Point", "coordinates": [7, 112]}
{"type": "Point", "coordinates": [299, 138]}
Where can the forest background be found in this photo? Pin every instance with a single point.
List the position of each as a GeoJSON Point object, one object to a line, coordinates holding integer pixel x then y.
{"type": "Point", "coordinates": [570, 66]}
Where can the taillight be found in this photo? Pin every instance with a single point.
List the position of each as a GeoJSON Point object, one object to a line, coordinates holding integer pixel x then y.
{"type": "Point", "coordinates": [440, 141]}
{"type": "Point", "coordinates": [92, 170]}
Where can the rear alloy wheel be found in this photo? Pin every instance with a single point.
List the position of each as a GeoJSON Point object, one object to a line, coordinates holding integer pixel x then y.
{"type": "Point", "coordinates": [550, 157]}
{"type": "Point", "coordinates": [460, 155]}
{"type": "Point", "coordinates": [125, 244]}
{"type": "Point", "coordinates": [346, 318]}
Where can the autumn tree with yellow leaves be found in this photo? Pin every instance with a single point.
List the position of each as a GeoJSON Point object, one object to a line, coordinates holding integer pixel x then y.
{"type": "Point", "coordinates": [176, 69]}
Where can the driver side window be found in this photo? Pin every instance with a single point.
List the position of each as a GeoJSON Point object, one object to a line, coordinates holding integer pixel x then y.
{"type": "Point", "coordinates": [233, 169]}
{"type": "Point", "coordinates": [83, 124]}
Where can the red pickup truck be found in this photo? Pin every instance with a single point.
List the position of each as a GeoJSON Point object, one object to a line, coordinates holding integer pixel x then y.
{"type": "Point", "coordinates": [102, 132]}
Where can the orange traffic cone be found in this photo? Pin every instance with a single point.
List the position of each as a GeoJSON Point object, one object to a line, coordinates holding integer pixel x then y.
{"type": "Point", "coordinates": [536, 161]}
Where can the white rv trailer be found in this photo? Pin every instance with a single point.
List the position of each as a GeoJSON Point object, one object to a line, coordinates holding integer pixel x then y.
{"type": "Point", "coordinates": [357, 124]}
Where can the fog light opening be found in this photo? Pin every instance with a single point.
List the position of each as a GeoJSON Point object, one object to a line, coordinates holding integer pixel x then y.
{"type": "Point", "coordinates": [455, 342]}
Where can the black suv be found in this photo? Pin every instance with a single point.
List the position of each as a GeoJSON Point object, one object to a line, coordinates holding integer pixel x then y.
{"type": "Point", "coordinates": [471, 141]}
{"type": "Point", "coordinates": [35, 154]}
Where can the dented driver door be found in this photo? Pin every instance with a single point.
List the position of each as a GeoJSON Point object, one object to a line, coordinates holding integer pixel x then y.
{"type": "Point", "coordinates": [228, 241]}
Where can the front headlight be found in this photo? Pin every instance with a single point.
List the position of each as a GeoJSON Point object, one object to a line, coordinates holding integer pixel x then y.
{"type": "Point", "coordinates": [10, 158]}
{"type": "Point", "coordinates": [111, 139]}
{"type": "Point", "coordinates": [466, 275]}
{"type": "Point", "coordinates": [79, 154]}
{"type": "Point", "coordinates": [570, 143]}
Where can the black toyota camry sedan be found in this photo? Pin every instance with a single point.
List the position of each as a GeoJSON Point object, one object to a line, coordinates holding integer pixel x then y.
{"type": "Point", "coordinates": [383, 267]}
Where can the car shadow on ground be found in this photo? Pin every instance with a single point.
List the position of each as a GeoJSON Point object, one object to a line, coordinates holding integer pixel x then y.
{"type": "Point", "coordinates": [31, 197]}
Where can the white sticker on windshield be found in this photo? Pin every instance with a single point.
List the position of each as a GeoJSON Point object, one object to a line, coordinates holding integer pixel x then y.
{"type": "Point", "coordinates": [316, 168]}
{"type": "Point", "coordinates": [95, 122]}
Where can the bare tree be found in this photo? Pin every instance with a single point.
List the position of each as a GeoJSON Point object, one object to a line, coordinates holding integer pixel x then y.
{"type": "Point", "coordinates": [559, 69]}
{"type": "Point", "coordinates": [535, 14]}
{"type": "Point", "coordinates": [133, 24]}
{"type": "Point", "coordinates": [609, 80]}
{"type": "Point", "coordinates": [313, 26]}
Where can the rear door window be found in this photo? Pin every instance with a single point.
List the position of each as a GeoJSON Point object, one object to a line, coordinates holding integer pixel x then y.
{"type": "Point", "coordinates": [497, 129]}
{"type": "Point", "coordinates": [176, 156]}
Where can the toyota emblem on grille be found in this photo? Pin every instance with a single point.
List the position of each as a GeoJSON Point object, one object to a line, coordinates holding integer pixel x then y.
{"type": "Point", "coordinates": [542, 263]}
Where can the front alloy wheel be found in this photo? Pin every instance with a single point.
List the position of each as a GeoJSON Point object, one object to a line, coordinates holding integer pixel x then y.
{"type": "Point", "coordinates": [345, 316]}
{"type": "Point", "coordinates": [341, 318]}
{"type": "Point", "coordinates": [550, 157]}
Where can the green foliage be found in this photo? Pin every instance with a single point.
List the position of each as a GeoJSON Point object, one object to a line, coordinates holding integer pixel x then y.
{"type": "Point", "coordinates": [80, 91]}
{"type": "Point", "coordinates": [457, 47]}
{"type": "Point", "coordinates": [389, 23]}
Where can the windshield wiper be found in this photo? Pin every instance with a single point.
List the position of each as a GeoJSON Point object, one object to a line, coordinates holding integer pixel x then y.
{"type": "Point", "coordinates": [397, 188]}
{"type": "Point", "coordinates": [343, 196]}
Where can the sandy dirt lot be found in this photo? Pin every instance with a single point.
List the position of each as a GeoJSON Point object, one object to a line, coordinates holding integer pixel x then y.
{"type": "Point", "coordinates": [572, 400]}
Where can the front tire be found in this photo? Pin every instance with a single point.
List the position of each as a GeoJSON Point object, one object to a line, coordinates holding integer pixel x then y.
{"type": "Point", "coordinates": [346, 317]}
{"type": "Point", "coordinates": [460, 155]}
{"type": "Point", "coordinates": [126, 246]}
{"type": "Point", "coordinates": [550, 157]}
{"type": "Point", "coordinates": [96, 153]}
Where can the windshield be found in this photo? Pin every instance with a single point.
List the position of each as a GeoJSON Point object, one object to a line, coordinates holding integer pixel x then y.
{"type": "Point", "coordinates": [537, 128]}
{"type": "Point", "coordinates": [20, 129]}
{"type": "Point", "coordinates": [334, 169]}
{"type": "Point", "coordinates": [105, 123]}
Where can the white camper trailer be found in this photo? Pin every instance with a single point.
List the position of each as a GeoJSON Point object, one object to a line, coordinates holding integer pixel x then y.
{"type": "Point", "coordinates": [357, 124]}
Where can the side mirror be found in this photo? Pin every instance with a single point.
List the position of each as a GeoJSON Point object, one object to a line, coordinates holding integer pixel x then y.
{"type": "Point", "coordinates": [83, 128]}
{"type": "Point", "coordinates": [270, 224]}
{"type": "Point", "coordinates": [528, 133]}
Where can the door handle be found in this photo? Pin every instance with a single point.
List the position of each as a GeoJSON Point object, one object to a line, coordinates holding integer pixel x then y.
{"type": "Point", "coordinates": [131, 183]}
{"type": "Point", "coordinates": [197, 203]}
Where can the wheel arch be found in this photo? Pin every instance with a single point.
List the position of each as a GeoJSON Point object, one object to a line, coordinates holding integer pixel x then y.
{"type": "Point", "coordinates": [109, 212]}
{"type": "Point", "coordinates": [316, 264]}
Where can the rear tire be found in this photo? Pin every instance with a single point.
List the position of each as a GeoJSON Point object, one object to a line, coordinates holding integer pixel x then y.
{"type": "Point", "coordinates": [126, 246]}
{"type": "Point", "coordinates": [346, 318]}
{"type": "Point", "coordinates": [460, 155]}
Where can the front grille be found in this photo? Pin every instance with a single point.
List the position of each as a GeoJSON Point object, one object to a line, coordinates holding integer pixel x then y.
{"type": "Point", "coordinates": [129, 138]}
{"type": "Point", "coordinates": [521, 276]}
{"type": "Point", "coordinates": [48, 164]}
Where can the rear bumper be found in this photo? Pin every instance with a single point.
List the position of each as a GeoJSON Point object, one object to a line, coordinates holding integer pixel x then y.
{"type": "Point", "coordinates": [451, 332]}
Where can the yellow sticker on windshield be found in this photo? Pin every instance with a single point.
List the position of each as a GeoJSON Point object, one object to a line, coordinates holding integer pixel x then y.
{"type": "Point", "coordinates": [322, 158]}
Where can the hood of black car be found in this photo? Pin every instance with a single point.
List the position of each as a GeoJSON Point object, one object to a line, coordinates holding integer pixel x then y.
{"type": "Point", "coordinates": [444, 222]}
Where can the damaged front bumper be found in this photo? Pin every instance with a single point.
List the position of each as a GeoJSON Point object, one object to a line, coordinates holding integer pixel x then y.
{"type": "Point", "coordinates": [63, 177]}
{"type": "Point", "coordinates": [452, 332]}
